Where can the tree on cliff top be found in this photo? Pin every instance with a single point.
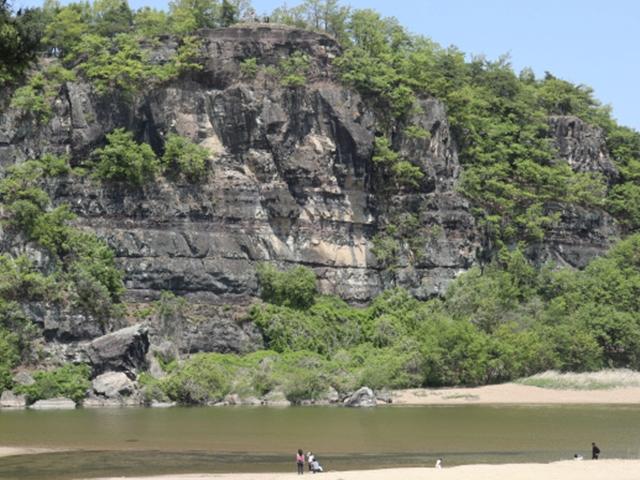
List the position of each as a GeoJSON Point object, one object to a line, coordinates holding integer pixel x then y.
{"type": "Point", "coordinates": [19, 40]}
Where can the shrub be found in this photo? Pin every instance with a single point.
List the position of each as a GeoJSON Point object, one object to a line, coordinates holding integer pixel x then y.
{"type": "Point", "coordinates": [201, 379]}
{"type": "Point", "coordinates": [125, 160]}
{"type": "Point", "coordinates": [21, 281]}
{"type": "Point", "coordinates": [71, 381]}
{"type": "Point", "coordinates": [293, 70]}
{"type": "Point", "coordinates": [36, 97]}
{"type": "Point", "coordinates": [325, 326]}
{"type": "Point", "coordinates": [9, 357]}
{"type": "Point", "coordinates": [295, 288]}
{"type": "Point", "coordinates": [302, 375]}
{"type": "Point", "coordinates": [249, 67]}
{"type": "Point", "coordinates": [183, 157]}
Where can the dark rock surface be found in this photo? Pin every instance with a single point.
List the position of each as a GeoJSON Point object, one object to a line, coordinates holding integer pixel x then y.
{"type": "Point", "coordinates": [582, 146]}
{"type": "Point", "coordinates": [121, 351]}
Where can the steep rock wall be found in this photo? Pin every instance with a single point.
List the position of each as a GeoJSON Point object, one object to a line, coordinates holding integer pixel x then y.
{"type": "Point", "coordinates": [291, 182]}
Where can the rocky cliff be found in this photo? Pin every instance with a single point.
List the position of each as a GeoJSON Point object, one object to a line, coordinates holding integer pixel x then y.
{"type": "Point", "coordinates": [291, 182]}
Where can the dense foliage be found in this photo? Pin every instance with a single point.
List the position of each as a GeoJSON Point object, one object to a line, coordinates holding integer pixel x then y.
{"type": "Point", "coordinates": [510, 321]}
{"type": "Point", "coordinates": [70, 381]}
{"type": "Point", "coordinates": [64, 266]}
{"type": "Point", "coordinates": [19, 40]}
{"type": "Point", "coordinates": [123, 159]}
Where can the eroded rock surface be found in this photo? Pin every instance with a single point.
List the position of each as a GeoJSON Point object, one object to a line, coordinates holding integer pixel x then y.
{"type": "Point", "coordinates": [124, 350]}
{"type": "Point", "coordinates": [291, 181]}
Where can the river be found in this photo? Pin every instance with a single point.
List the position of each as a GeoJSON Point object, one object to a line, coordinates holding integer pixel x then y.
{"type": "Point", "coordinates": [139, 441]}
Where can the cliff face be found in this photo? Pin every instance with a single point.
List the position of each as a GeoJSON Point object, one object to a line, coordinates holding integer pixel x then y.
{"type": "Point", "coordinates": [291, 182]}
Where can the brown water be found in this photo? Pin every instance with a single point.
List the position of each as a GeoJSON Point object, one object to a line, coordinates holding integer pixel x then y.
{"type": "Point", "coordinates": [118, 442]}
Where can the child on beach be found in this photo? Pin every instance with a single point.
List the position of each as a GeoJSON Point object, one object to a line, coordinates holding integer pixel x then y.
{"type": "Point", "coordinates": [300, 461]}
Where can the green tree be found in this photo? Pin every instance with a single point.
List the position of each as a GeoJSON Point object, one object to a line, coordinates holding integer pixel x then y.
{"type": "Point", "coordinates": [19, 40]}
{"type": "Point", "coordinates": [228, 14]}
{"type": "Point", "coordinates": [150, 23]}
{"type": "Point", "coordinates": [125, 160]}
{"type": "Point", "coordinates": [69, 26]}
{"type": "Point", "coordinates": [189, 15]}
{"type": "Point", "coordinates": [111, 17]}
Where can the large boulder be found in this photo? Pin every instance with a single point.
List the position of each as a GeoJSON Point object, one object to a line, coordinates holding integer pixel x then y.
{"type": "Point", "coordinates": [59, 403]}
{"type": "Point", "coordinates": [364, 397]}
{"type": "Point", "coordinates": [113, 385]}
{"type": "Point", "coordinates": [121, 351]}
{"type": "Point", "coordinates": [11, 400]}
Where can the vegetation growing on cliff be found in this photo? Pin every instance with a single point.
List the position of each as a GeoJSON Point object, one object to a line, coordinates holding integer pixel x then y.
{"type": "Point", "coordinates": [499, 118]}
{"type": "Point", "coordinates": [123, 159]}
{"type": "Point", "coordinates": [63, 266]}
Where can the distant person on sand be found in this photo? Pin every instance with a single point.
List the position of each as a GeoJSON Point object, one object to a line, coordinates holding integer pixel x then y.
{"type": "Point", "coordinates": [310, 458]}
{"type": "Point", "coordinates": [439, 463]}
{"type": "Point", "coordinates": [300, 461]}
{"type": "Point", "coordinates": [577, 456]}
{"type": "Point", "coordinates": [595, 451]}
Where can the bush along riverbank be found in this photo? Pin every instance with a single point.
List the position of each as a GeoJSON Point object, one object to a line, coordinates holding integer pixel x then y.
{"type": "Point", "coordinates": [509, 321]}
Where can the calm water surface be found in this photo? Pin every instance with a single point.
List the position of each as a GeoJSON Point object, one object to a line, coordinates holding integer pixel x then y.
{"type": "Point", "coordinates": [119, 442]}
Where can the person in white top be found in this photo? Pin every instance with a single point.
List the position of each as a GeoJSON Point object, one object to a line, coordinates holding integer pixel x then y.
{"type": "Point", "coordinates": [439, 463]}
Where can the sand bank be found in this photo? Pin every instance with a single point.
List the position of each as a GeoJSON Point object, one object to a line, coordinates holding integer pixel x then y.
{"type": "Point", "coordinates": [9, 451]}
{"type": "Point", "coordinates": [568, 470]}
{"type": "Point", "coordinates": [512, 393]}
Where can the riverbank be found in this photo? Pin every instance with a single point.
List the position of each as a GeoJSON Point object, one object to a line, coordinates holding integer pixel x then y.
{"type": "Point", "coordinates": [515, 394]}
{"type": "Point", "coordinates": [566, 470]}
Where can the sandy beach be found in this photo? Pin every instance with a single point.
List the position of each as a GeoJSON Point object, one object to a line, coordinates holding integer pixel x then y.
{"type": "Point", "coordinates": [567, 470]}
{"type": "Point", "coordinates": [515, 394]}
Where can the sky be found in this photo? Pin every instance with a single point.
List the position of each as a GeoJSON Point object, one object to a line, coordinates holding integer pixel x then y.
{"type": "Point", "coordinates": [591, 42]}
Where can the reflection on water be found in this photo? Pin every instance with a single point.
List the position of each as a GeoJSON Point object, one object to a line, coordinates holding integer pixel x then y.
{"type": "Point", "coordinates": [123, 442]}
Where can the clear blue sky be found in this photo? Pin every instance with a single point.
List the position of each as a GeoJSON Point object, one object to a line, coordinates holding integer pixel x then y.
{"type": "Point", "coordinates": [594, 42]}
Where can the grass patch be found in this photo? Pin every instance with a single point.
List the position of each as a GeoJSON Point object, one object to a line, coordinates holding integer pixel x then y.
{"type": "Point", "coordinates": [602, 380]}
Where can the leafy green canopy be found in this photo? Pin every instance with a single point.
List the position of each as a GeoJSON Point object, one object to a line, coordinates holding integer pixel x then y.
{"type": "Point", "coordinates": [19, 40]}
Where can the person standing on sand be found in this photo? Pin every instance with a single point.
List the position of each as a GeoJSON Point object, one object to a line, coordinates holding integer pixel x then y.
{"type": "Point", "coordinates": [439, 463]}
{"type": "Point", "coordinates": [300, 461]}
{"type": "Point", "coordinates": [595, 451]}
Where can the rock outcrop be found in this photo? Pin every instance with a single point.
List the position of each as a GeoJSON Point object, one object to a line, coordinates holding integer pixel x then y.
{"type": "Point", "coordinates": [59, 403]}
{"type": "Point", "coordinates": [363, 397]}
{"type": "Point", "coordinates": [291, 181]}
{"type": "Point", "coordinates": [122, 351]}
{"type": "Point", "coordinates": [582, 146]}
{"type": "Point", "coordinates": [10, 400]}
